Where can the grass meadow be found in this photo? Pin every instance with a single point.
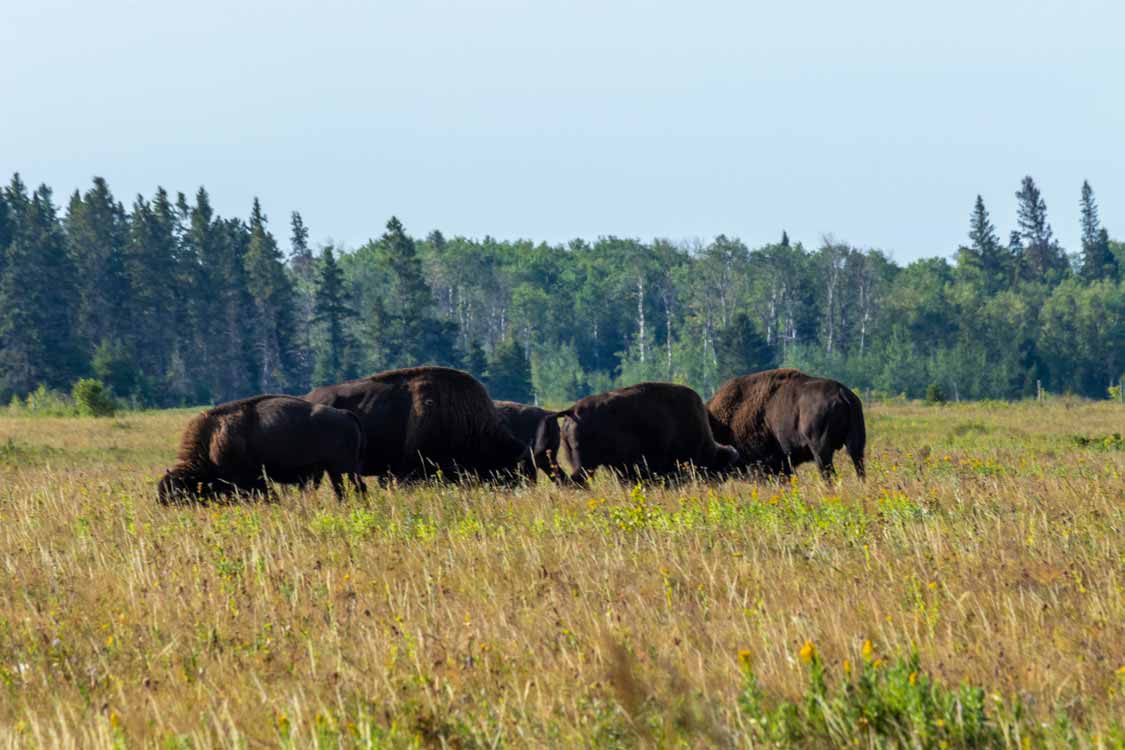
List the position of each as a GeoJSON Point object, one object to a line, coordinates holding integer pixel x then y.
{"type": "Point", "coordinates": [970, 594]}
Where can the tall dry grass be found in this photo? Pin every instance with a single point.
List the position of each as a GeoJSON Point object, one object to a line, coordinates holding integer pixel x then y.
{"type": "Point", "coordinates": [987, 537]}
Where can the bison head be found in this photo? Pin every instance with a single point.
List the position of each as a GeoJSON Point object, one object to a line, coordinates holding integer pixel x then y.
{"type": "Point", "coordinates": [726, 457]}
{"type": "Point", "coordinates": [173, 486]}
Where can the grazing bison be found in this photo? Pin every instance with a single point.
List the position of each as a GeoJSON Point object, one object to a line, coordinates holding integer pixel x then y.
{"type": "Point", "coordinates": [524, 420]}
{"type": "Point", "coordinates": [648, 429]}
{"type": "Point", "coordinates": [422, 420]}
{"type": "Point", "coordinates": [239, 445]}
{"type": "Point", "coordinates": [779, 419]}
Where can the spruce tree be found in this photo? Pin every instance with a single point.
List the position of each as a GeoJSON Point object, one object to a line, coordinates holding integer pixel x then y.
{"type": "Point", "coordinates": [37, 290]}
{"type": "Point", "coordinates": [985, 250]}
{"type": "Point", "coordinates": [1042, 258]}
{"type": "Point", "coordinates": [154, 298]}
{"type": "Point", "coordinates": [7, 228]}
{"type": "Point", "coordinates": [509, 373]}
{"type": "Point", "coordinates": [475, 361]}
{"type": "Point", "coordinates": [412, 332]}
{"type": "Point", "coordinates": [740, 349]}
{"type": "Point", "coordinates": [302, 268]}
{"type": "Point", "coordinates": [272, 293]}
{"type": "Point", "coordinates": [1097, 258]}
{"type": "Point", "coordinates": [98, 234]}
{"type": "Point", "coordinates": [332, 315]}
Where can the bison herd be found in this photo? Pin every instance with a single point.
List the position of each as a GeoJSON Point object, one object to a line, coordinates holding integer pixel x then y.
{"type": "Point", "coordinates": [436, 422]}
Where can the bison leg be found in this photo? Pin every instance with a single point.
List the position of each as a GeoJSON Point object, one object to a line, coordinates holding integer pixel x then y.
{"type": "Point", "coordinates": [822, 451]}
{"type": "Point", "coordinates": [337, 480]}
{"type": "Point", "coordinates": [357, 482]}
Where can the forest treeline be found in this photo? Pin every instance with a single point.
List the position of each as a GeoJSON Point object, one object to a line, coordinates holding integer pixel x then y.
{"type": "Point", "coordinates": [169, 303]}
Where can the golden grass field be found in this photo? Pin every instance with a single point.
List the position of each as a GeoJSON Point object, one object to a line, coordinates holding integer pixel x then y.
{"type": "Point", "coordinates": [988, 537]}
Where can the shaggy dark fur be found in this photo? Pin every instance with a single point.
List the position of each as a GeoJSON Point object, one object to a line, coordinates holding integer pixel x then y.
{"type": "Point", "coordinates": [239, 445]}
{"type": "Point", "coordinates": [645, 430]}
{"type": "Point", "coordinates": [422, 420]}
{"type": "Point", "coordinates": [524, 420]}
{"type": "Point", "coordinates": [778, 419]}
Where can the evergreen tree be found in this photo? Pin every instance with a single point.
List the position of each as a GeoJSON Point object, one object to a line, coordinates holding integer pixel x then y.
{"type": "Point", "coordinates": [509, 373]}
{"type": "Point", "coordinates": [302, 266]}
{"type": "Point", "coordinates": [332, 315]}
{"type": "Point", "coordinates": [1042, 258]}
{"type": "Point", "coordinates": [740, 349]}
{"type": "Point", "coordinates": [7, 228]}
{"type": "Point", "coordinates": [151, 272]}
{"type": "Point", "coordinates": [412, 332]}
{"type": "Point", "coordinates": [300, 256]}
{"type": "Point", "coordinates": [98, 234]}
{"type": "Point", "coordinates": [985, 249]}
{"type": "Point", "coordinates": [272, 295]}
{"type": "Point", "coordinates": [37, 289]}
{"type": "Point", "coordinates": [475, 361]}
{"type": "Point", "coordinates": [1097, 258]}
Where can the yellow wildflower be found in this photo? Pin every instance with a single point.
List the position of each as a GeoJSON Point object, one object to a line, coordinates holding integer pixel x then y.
{"type": "Point", "coordinates": [745, 659]}
{"type": "Point", "coordinates": [868, 650]}
{"type": "Point", "coordinates": [114, 720]}
{"type": "Point", "coordinates": [913, 678]}
{"type": "Point", "coordinates": [808, 652]}
{"type": "Point", "coordinates": [847, 667]}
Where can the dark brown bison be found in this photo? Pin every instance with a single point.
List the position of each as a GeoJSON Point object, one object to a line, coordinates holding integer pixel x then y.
{"type": "Point", "coordinates": [524, 420]}
{"type": "Point", "coordinates": [238, 446]}
{"type": "Point", "coordinates": [779, 419]}
{"type": "Point", "coordinates": [423, 420]}
{"type": "Point", "coordinates": [648, 429]}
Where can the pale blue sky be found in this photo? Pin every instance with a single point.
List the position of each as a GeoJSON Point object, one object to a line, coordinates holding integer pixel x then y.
{"type": "Point", "coordinates": [877, 122]}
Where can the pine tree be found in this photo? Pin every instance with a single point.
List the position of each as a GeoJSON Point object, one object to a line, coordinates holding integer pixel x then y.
{"type": "Point", "coordinates": [741, 349]}
{"type": "Point", "coordinates": [300, 256]}
{"type": "Point", "coordinates": [272, 293]}
{"type": "Point", "coordinates": [37, 289]}
{"type": "Point", "coordinates": [303, 270]}
{"type": "Point", "coordinates": [509, 373]}
{"type": "Point", "coordinates": [151, 272]}
{"type": "Point", "coordinates": [985, 253]}
{"type": "Point", "coordinates": [7, 228]}
{"type": "Point", "coordinates": [412, 332]}
{"type": "Point", "coordinates": [476, 361]}
{"type": "Point", "coordinates": [1097, 258]}
{"type": "Point", "coordinates": [332, 315]}
{"type": "Point", "coordinates": [1042, 258]}
{"type": "Point", "coordinates": [97, 232]}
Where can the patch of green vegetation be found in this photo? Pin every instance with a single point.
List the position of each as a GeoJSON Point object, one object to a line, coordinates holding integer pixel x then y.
{"type": "Point", "coordinates": [897, 705]}
{"type": "Point", "coordinates": [1114, 442]}
{"type": "Point", "coordinates": [18, 453]}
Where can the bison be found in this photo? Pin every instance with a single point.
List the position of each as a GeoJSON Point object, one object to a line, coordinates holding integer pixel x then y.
{"type": "Point", "coordinates": [238, 446]}
{"type": "Point", "coordinates": [645, 430]}
{"type": "Point", "coordinates": [779, 419]}
{"type": "Point", "coordinates": [423, 420]}
{"type": "Point", "coordinates": [524, 420]}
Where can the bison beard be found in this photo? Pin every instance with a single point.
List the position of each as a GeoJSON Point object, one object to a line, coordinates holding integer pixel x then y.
{"type": "Point", "coordinates": [242, 445]}
{"type": "Point", "coordinates": [648, 429]}
{"type": "Point", "coordinates": [420, 421]}
{"type": "Point", "coordinates": [778, 419]}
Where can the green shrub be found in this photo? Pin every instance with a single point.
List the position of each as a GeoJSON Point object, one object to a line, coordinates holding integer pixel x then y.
{"type": "Point", "coordinates": [42, 402]}
{"type": "Point", "coordinates": [892, 705]}
{"type": "Point", "coordinates": [93, 399]}
{"type": "Point", "coordinates": [935, 394]}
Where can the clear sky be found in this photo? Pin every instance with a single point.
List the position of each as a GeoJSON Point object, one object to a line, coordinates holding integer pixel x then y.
{"type": "Point", "coordinates": [877, 122]}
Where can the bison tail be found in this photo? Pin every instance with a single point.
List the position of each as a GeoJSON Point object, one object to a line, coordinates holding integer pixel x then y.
{"type": "Point", "coordinates": [856, 440]}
